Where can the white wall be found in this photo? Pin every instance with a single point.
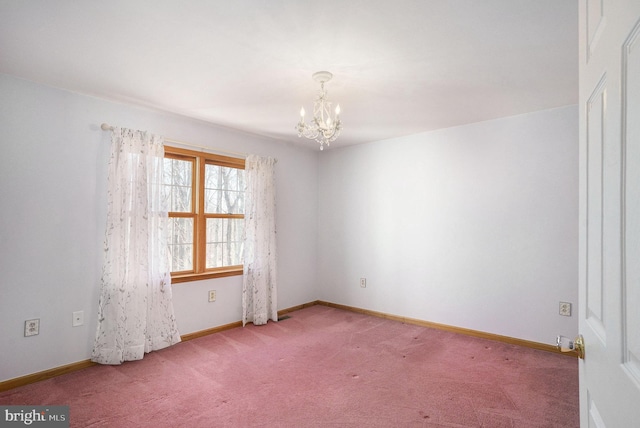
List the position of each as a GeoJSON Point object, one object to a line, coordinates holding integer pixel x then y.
{"type": "Point", "coordinates": [53, 179]}
{"type": "Point", "coordinates": [473, 226]}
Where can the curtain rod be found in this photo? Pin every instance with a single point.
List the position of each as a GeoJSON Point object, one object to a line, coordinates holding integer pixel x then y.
{"type": "Point", "coordinates": [107, 127]}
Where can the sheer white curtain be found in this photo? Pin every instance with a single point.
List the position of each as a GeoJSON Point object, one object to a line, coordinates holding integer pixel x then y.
{"type": "Point", "coordinates": [259, 296]}
{"type": "Point", "coordinates": [135, 313]}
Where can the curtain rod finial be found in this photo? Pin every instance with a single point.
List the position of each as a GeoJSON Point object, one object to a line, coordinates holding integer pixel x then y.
{"type": "Point", "coordinates": [106, 127]}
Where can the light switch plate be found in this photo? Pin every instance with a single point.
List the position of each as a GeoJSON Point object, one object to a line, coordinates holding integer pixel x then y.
{"type": "Point", "coordinates": [78, 318]}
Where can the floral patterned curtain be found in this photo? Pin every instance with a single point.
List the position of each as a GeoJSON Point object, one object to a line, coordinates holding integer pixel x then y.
{"type": "Point", "coordinates": [259, 296]}
{"type": "Point", "coordinates": [135, 313]}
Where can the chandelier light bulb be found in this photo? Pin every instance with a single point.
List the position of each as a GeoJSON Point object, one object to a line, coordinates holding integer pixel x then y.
{"type": "Point", "coordinates": [302, 112]}
{"type": "Point", "coordinates": [337, 110]}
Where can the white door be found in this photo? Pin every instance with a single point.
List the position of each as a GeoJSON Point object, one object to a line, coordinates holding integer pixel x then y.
{"type": "Point", "coordinates": [609, 105]}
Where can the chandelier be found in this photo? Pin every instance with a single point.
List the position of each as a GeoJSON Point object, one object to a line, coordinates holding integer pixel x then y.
{"type": "Point", "coordinates": [323, 128]}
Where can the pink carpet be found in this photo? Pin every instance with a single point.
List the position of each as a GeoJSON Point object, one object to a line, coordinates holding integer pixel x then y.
{"type": "Point", "coordinates": [322, 367]}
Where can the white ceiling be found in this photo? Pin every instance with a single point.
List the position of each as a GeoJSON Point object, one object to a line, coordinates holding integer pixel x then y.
{"type": "Point", "coordinates": [400, 67]}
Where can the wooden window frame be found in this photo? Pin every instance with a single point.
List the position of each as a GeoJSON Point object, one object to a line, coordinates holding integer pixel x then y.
{"type": "Point", "coordinates": [200, 159]}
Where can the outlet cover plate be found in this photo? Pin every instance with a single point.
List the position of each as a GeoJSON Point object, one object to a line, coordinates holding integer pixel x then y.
{"type": "Point", "coordinates": [565, 309]}
{"type": "Point", "coordinates": [31, 327]}
{"type": "Point", "coordinates": [363, 282]}
{"type": "Point", "coordinates": [212, 295]}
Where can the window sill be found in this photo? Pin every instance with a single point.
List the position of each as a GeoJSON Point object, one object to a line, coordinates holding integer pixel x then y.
{"type": "Point", "coordinates": [178, 278]}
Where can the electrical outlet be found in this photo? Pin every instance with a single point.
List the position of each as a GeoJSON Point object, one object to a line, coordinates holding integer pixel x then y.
{"type": "Point", "coordinates": [212, 295]}
{"type": "Point", "coordinates": [363, 282]}
{"type": "Point", "coordinates": [31, 327]}
{"type": "Point", "coordinates": [565, 309]}
{"type": "Point", "coordinates": [78, 318]}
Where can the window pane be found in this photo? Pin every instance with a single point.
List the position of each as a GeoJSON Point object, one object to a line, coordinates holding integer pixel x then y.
{"type": "Point", "coordinates": [224, 190]}
{"type": "Point", "coordinates": [181, 244]}
{"type": "Point", "coordinates": [177, 185]}
{"type": "Point", "coordinates": [224, 242]}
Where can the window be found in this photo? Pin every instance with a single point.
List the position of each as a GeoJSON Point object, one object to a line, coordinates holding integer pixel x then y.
{"type": "Point", "coordinates": [205, 193]}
